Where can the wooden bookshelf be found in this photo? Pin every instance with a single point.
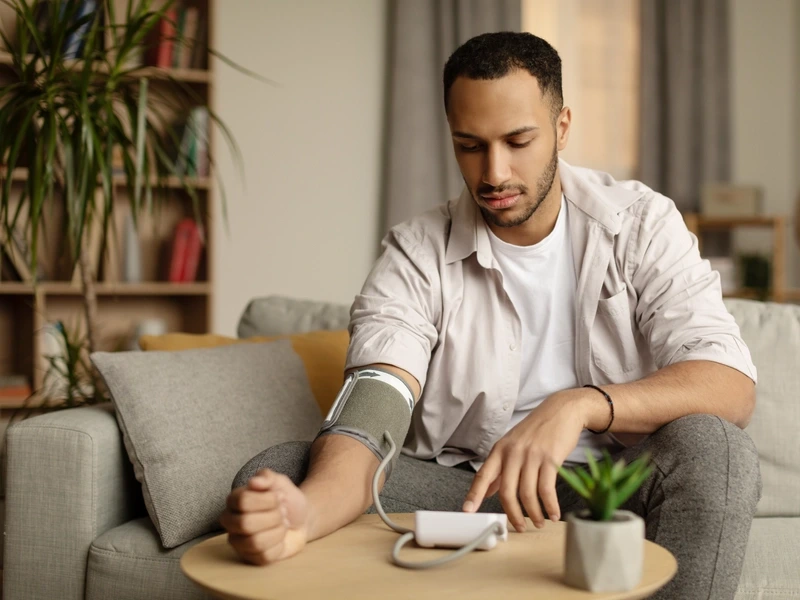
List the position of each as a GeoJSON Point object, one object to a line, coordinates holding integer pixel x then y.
{"type": "Point", "coordinates": [198, 183]}
{"type": "Point", "coordinates": [66, 288]}
{"type": "Point", "coordinates": [697, 224]}
{"type": "Point", "coordinates": [792, 295]}
{"type": "Point", "coordinates": [184, 75]}
{"type": "Point", "coordinates": [25, 309]}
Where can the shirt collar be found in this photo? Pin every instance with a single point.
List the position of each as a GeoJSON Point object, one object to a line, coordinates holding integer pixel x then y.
{"type": "Point", "coordinates": [599, 195]}
{"type": "Point", "coordinates": [594, 193]}
{"type": "Point", "coordinates": [468, 232]}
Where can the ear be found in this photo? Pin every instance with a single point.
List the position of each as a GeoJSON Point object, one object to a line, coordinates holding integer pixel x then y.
{"type": "Point", "coordinates": [563, 122]}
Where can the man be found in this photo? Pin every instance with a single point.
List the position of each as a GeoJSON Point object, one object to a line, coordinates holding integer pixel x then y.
{"type": "Point", "coordinates": [496, 310]}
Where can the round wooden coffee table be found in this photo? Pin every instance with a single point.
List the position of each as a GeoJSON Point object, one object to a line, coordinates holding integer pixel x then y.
{"type": "Point", "coordinates": [354, 563]}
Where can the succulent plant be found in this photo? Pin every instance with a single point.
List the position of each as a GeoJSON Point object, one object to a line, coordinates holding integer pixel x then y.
{"type": "Point", "coordinates": [607, 484]}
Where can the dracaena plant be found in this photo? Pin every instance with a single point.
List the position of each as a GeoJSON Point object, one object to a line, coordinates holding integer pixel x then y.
{"type": "Point", "coordinates": [62, 119]}
{"type": "Point", "coordinates": [607, 484]}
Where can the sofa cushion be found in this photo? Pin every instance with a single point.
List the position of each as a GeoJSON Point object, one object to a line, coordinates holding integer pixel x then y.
{"type": "Point", "coordinates": [323, 354]}
{"type": "Point", "coordinates": [129, 563]}
{"type": "Point", "coordinates": [772, 560]}
{"type": "Point", "coordinates": [772, 332]}
{"type": "Point", "coordinates": [191, 419]}
{"type": "Point", "coordinates": [274, 315]}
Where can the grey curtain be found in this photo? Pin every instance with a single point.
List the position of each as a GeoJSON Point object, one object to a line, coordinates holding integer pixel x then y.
{"type": "Point", "coordinates": [685, 123]}
{"type": "Point", "coordinates": [420, 170]}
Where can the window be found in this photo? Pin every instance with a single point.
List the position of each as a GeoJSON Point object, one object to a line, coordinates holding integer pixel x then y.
{"type": "Point", "coordinates": [598, 41]}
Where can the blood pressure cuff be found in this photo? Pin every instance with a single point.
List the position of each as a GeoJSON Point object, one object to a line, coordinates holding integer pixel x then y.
{"type": "Point", "coordinates": [371, 402]}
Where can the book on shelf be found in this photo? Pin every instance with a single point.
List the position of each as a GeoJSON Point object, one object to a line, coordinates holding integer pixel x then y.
{"type": "Point", "coordinates": [178, 40]}
{"type": "Point", "coordinates": [16, 392]}
{"type": "Point", "coordinates": [198, 57]}
{"type": "Point", "coordinates": [192, 153]}
{"type": "Point", "coordinates": [162, 40]}
{"type": "Point", "coordinates": [14, 387]}
{"type": "Point", "coordinates": [180, 25]}
{"type": "Point", "coordinates": [187, 246]}
{"type": "Point", "coordinates": [73, 47]}
{"type": "Point", "coordinates": [191, 24]}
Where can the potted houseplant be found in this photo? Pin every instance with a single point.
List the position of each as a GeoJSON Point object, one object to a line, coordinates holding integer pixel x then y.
{"type": "Point", "coordinates": [605, 545]}
{"type": "Point", "coordinates": [66, 121]}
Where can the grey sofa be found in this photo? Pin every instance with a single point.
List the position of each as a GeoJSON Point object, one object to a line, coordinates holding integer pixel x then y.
{"type": "Point", "coordinates": [76, 526]}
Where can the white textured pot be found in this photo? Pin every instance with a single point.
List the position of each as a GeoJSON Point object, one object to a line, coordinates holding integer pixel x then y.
{"type": "Point", "coordinates": [604, 556]}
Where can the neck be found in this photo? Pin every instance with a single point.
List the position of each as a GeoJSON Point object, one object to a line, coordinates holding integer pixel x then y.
{"type": "Point", "coordinates": [541, 223]}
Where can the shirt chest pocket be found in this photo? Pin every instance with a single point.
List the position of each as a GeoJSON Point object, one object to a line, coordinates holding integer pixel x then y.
{"type": "Point", "coordinates": [613, 343]}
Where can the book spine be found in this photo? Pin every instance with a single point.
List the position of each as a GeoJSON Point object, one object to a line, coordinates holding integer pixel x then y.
{"type": "Point", "coordinates": [17, 391]}
{"type": "Point", "coordinates": [193, 250]}
{"type": "Point", "coordinates": [201, 134]}
{"type": "Point", "coordinates": [74, 44]}
{"type": "Point", "coordinates": [166, 39]}
{"type": "Point", "coordinates": [198, 60]}
{"type": "Point", "coordinates": [178, 48]}
{"type": "Point", "coordinates": [189, 37]}
{"type": "Point", "coordinates": [180, 246]}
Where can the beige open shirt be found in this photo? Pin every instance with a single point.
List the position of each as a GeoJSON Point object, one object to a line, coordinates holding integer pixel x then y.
{"type": "Point", "coordinates": [434, 305]}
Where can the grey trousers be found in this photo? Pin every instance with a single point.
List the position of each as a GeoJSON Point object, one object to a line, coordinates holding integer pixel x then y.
{"type": "Point", "coordinates": [698, 503]}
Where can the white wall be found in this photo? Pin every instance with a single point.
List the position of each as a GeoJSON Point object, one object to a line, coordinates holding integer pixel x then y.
{"type": "Point", "coordinates": [765, 69]}
{"type": "Point", "coordinates": [306, 224]}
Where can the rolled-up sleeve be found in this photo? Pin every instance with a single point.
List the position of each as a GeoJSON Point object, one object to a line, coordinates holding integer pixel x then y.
{"type": "Point", "coordinates": [680, 310]}
{"type": "Point", "coordinates": [392, 320]}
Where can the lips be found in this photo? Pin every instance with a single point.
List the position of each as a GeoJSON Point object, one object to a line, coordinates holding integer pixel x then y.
{"type": "Point", "coordinates": [498, 202]}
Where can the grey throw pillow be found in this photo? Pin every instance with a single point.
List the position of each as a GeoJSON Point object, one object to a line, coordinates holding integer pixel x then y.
{"type": "Point", "coordinates": [191, 419]}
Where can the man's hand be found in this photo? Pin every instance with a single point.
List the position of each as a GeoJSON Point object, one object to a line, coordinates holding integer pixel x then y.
{"type": "Point", "coordinates": [525, 460]}
{"type": "Point", "coordinates": [267, 519]}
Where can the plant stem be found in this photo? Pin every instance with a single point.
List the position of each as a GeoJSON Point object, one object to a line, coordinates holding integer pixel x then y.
{"type": "Point", "coordinates": [90, 307]}
{"type": "Point", "coordinates": [89, 294]}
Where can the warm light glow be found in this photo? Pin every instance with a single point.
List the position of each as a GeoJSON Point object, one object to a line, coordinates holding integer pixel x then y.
{"type": "Point", "coordinates": [598, 41]}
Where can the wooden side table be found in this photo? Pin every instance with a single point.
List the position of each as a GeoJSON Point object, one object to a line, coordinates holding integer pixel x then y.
{"type": "Point", "coordinates": [354, 563]}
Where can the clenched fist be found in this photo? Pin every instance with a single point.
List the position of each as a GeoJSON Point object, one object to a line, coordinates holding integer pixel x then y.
{"type": "Point", "coordinates": [267, 519]}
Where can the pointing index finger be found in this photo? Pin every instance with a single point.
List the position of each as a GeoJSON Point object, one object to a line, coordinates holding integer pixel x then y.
{"type": "Point", "coordinates": [483, 479]}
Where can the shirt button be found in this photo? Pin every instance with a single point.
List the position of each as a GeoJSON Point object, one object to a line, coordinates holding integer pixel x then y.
{"type": "Point", "coordinates": [512, 346]}
{"type": "Point", "coordinates": [505, 406]}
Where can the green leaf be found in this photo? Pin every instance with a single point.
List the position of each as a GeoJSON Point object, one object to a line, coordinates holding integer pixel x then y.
{"type": "Point", "coordinates": [592, 464]}
{"type": "Point", "coordinates": [587, 479]}
{"type": "Point", "coordinates": [141, 118]}
{"type": "Point", "coordinates": [608, 462]}
{"type": "Point", "coordinates": [609, 506]}
{"type": "Point", "coordinates": [574, 482]}
{"type": "Point", "coordinates": [636, 465]}
{"type": "Point", "coordinates": [617, 470]}
{"type": "Point", "coordinates": [628, 488]}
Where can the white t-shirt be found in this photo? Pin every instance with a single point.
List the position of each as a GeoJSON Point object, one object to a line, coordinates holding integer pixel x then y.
{"type": "Point", "coordinates": [540, 280]}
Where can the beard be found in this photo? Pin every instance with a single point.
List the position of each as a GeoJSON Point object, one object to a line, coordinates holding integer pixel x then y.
{"type": "Point", "coordinates": [529, 205]}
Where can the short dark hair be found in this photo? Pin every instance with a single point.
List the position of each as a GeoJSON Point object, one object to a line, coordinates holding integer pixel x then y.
{"type": "Point", "coordinates": [494, 55]}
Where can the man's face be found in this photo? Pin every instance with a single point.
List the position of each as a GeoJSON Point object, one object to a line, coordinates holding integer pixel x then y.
{"type": "Point", "coordinates": [506, 144]}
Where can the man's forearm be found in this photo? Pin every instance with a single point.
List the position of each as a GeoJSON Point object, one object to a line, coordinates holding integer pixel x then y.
{"type": "Point", "coordinates": [338, 484]}
{"type": "Point", "coordinates": [339, 480]}
{"type": "Point", "coordinates": [691, 387]}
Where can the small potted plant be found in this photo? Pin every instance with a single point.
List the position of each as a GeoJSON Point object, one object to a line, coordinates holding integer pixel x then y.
{"type": "Point", "coordinates": [605, 546]}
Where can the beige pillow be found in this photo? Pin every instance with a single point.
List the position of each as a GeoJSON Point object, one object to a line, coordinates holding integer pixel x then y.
{"type": "Point", "coordinates": [323, 353]}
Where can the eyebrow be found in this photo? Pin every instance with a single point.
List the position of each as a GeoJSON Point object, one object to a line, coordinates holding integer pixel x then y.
{"type": "Point", "coordinates": [518, 131]}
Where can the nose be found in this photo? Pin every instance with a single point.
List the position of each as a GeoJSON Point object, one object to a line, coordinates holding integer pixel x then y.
{"type": "Point", "coordinates": [497, 169]}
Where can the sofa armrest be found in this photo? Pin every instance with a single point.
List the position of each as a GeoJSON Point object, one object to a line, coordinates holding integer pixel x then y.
{"type": "Point", "coordinates": [68, 481]}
